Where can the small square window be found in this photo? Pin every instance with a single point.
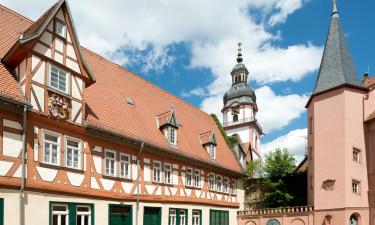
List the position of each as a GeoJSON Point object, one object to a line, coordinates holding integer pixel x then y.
{"type": "Point", "coordinates": [60, 28]}
{"type": "Point", "coordinates": [356, 187]}
{"type": "Point", "coordinates": [356, 155]}
{"type": "Point", "coordinates": [58, 79]}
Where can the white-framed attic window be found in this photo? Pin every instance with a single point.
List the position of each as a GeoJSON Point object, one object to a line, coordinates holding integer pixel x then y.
{"type": "Point", "coordinates": [172, 135]}
{"type": "Point", "coordinates": [60, 28]}
{"type": "Point", "coordinates": [212, 151]}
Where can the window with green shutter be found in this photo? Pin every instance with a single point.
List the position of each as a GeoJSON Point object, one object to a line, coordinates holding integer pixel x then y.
{"type": "Point", "coordinates": [66, 213]}
{"type": "Point", "coordinates": [177, 217]}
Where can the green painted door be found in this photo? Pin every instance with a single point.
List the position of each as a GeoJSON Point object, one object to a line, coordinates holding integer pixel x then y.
{"type": "Point", "coordinates": [120, 215]}
{"type": "Point", "coordinates": [152, 216]}
{"type": "Point", "coordinates": [218, 217]}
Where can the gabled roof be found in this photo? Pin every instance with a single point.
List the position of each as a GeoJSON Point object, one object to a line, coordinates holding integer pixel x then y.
{"type": "Point", "coordinates": [208, 138]}
{"type": "Point", "coordinates": [29, 37]}
{"type": "Point", "coordinates": [336, 67]}
{"type": "Point", "coordinates": [168, 118]}
{"type": "Point", "coordinates": [107, 107]}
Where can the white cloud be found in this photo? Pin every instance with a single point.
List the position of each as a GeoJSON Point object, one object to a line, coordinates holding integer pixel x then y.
{"type": "Point", "coordinates": [294, 141]}
{"type": "Point", "coordinates": [200, 92]}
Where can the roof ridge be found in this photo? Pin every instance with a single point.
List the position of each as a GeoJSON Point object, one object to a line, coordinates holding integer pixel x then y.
{"type": "Point", "coordinates": [16, 13]}
{"type": "Point", "coordinates": [142, 78]}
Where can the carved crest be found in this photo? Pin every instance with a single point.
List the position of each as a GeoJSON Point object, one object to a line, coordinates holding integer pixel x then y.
{"type": "Point", "coordinates": [58, 106]}
{"type": "Point", "coordinates": [328, 185]}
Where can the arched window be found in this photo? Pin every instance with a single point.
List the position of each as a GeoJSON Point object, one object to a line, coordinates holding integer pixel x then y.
{"type": "Point", "coordinates": [273, 222]}
{"type": "Point", "coordinates": [354, 219]}
{"type": "Point", "coordinates": [235, 118]}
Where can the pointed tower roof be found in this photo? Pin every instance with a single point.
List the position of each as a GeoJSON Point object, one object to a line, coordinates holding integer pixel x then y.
{"type": "Point", "coordinates": [336, 67]}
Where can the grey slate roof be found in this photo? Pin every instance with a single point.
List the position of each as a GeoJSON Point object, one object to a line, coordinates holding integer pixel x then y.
{"type": "Point", "coordinates": [336, 67]}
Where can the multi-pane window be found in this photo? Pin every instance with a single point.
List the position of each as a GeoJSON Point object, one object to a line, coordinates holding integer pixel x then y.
{"type": "Point", "coordinates": [212, 182]}
{"type": "Point", "coordinates": [83, 215]}
{"type": "Point", "coordinates": [355, 187]}
{"type": "Point", "coordinates": [172, 136]}
{"type": "Point", "coordinates": [172, 217]}
{"type": "Point", "coordinates": [225, 185]}
{"type": "Point", "coordinates": [196, 217]}
{"type": "Point", "coordinates": [212, 149]}
{"type": "Point", "coordinates": [197, 178]}
{"type": "Point", "coordinates": [73, 153]}
{"type": "Point", "coordinates": [167, 173]}
{"type": "Point", "coordinates": [58, 79]}
{"type": "Point", "coordinates": [189, 176]}
{"type": "Point", "coordinates": [60, 28]}
{"type": "Point", "coordinates": [182, 217]}
{"type": "Point", "coordinates": [356, 155]}
{"type": "Point", "coordinates": [51, 143]}
{"type": "Point", "coordinates": [157, 171]}
{"type": "Point", "coordinates": [234, 186]}
{"type": "Point", "coordinates": [218, 183]}
{"type": "Point", "coordinates": [125, 166]}
{"type": "Point", "coordinates": [60, 215]}
{"type": "Point", "coordinates": [109, 163]}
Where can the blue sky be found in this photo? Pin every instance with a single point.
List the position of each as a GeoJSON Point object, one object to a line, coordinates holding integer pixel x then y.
{"type": "Point", "coordinates": [189, 48]}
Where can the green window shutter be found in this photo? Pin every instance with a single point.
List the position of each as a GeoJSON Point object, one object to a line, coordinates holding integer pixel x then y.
{"type": "Point", "coordinates": [1, 211]}
{"type": "Point", "coordinates": [72, 208]}
{"type": "Point", "coordinates": [92, 214]}
{"type": "Point", "coordinates": [200, 217]}
{"type": "Point", "coordinates": [186, 216]}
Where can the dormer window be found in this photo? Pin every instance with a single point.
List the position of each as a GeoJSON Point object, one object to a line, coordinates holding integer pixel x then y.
{"type": "Point", "coordinates": [172, 135]}
{"type": "Point", "coordinates": [168, 124]}
{"type": "Point", "coordinates": [208, 141]}
{"type": "Point", "coordinates": [60, 28]}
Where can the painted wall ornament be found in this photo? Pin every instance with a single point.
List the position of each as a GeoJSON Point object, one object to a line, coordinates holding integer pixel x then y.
{"type": "Point", "coordinates": [329, 184]}
{"type": "Point", "coordinates": [58, 106]}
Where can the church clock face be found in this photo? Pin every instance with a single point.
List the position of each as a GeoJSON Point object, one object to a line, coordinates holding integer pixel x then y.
{"type": "Point", "coordinates": [235, 110]}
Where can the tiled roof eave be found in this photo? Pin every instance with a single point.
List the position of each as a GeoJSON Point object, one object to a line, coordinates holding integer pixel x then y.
{"type": "Point", "coordinates": [162, 149]}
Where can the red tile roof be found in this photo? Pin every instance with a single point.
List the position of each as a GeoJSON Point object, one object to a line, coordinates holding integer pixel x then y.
{"type": "Point", "coordinates": [369, 82]}
{"type": "Point", "coordinates": [107, 106]}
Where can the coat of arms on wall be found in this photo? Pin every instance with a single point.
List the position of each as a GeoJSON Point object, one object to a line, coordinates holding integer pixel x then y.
{"type": "Point", "coordinates": [58, 106]}
{"type": "Point", "coordinates": [328, 185]}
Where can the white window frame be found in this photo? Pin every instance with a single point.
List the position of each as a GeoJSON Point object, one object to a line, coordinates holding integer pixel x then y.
{"type": "Point", "coordinates": [114, 159]}
{"type": "Point", "coordinates": [66, 91]}
{"type": "Point", "coordinates": [182, 217]}
{"type": "Point", "coordinates": [168, 179]}
{"type": "Point", "coordinates": [234, 186]}
{"type": "Point", "coordinates": [212, 151]}
{"type": "Point", "coordinates": [125, 164]}
{"type": "Point", "coordinates": [60, 213]}
{"type": "Point", "coordinates": [356, 187]}
{"type": "Point", "coordinates": [189, 182]}
{"type": "Point", "coordinates": [172, 216]}
{"type": "Point", "coordinates": [172, 137]}
{"type": "Point", "coordinates": [356, 155]}
{"type": "Point", "coordinates": [64, 28]}
{"type": "Point", "coordinates": [226, 185]}
{"type": "Point", "coordinates": [197, 178]}
{"type": "Point", "coordinates": [79, 149]}
{"type": "Point", "coordinates": [156, 170]}
{"type": "Point", "coordinates": [219, 187]}
{"type": "Point", "coordinates": [196, 217]}
{"type": "Point", "coordinates": [211, 181]}
{"type": "Point", "coordinates": [51, 143]}
{"type": "Point", "coordinates": [84, 214]}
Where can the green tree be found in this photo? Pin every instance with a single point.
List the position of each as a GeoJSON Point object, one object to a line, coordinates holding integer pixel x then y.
{"type": "Point", "coordinates": [279, 163]}
{"type": "Point", "coordinates": [265, 180]}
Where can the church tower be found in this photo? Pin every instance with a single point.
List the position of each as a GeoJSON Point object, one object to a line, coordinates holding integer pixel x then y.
{"type": "Point", "coordinates": [239, 112]}
{"type": "Point", "coordinates": [337, 171]}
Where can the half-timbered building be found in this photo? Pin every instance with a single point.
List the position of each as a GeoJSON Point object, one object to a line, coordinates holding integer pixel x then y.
{"type": "Point", "coordinates": [85, 141]}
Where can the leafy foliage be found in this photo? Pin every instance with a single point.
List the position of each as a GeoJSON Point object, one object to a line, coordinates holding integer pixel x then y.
{"type": "Point", "coordinates": [230, 140]}
{"type": "Point", "coordinates": [265, 182]}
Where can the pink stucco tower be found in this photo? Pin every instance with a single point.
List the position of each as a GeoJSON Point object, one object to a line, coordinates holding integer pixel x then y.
{"type": "Point", "coordinates": [337, 172]}
{"type": "Point", "coordinates": [239, 113]}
